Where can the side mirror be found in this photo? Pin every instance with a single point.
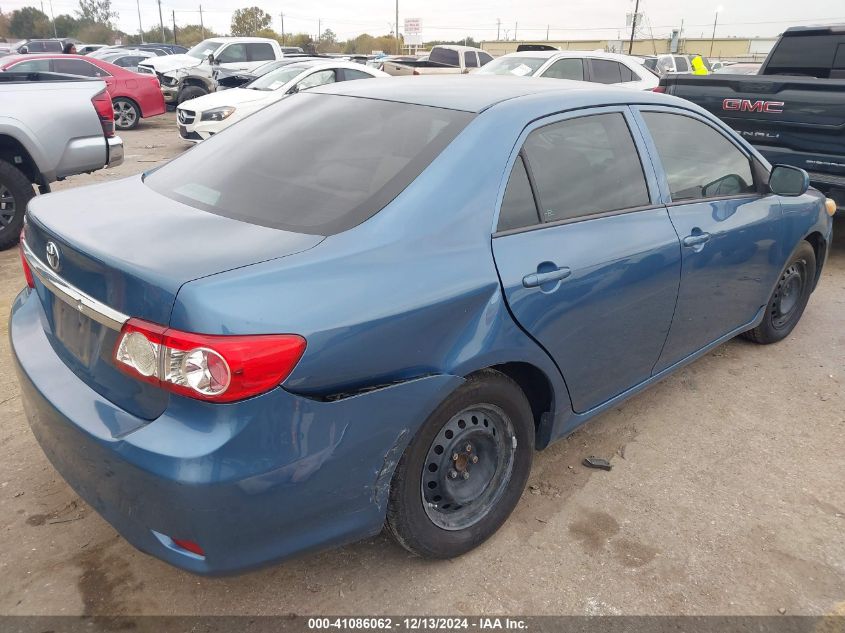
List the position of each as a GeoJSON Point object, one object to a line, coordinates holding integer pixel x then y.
{"type": "Point", "coordinates": [786, 180]}
{"type": "Point", "coordinates": [293, 89]}
{"type": "Point", "coordinates": [23, 50]}
{"type": "Point", "coordinates": [211, 58]}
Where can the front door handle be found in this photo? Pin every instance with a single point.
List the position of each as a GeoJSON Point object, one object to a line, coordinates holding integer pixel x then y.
{"type": "Point", "coordinates": [696, 239]}
{"type": "Point", "coordinates": [538, 279]}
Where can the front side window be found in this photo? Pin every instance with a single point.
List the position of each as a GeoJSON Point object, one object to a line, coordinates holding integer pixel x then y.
{"type": "Point", "coordinates": [605, 71]}
{"type": "Point", "coordinates": [698, 161]}
{"type": "Point", "coordinates": [232, 54]}
{"type": "Point", "coordinates": [311, 163]}
{"type": "Point", "coordinates": [584, 166]}
{"type": "Point", "coordinates": [566, 69]}
{"type": "Point", "coordinates": [518, 206]}
{"type": "Point", "coordinates": [317, 79]}
{"type": "Point", "coordinates": [32, 66]}
{"type": "Point", "coordinates": [470, 60]}
{"type": "Point", "coordinates": [260, 52]}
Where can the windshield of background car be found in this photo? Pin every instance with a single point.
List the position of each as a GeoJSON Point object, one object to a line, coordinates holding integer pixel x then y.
{"type": "Point", "coordinates": [204, 48]}
{"type": "Point", "coordinates": [519, 66]}
{"type": "Point", "coordinates": [311, 163]}
{"type": "Point", "coordinates": [275, 79]}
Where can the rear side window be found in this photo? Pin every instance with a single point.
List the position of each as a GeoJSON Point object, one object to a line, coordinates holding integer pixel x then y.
{"type": "Point", "coordinates": [627, 73]}
{"type": "Point", "coordinates": [518, 206]}
{"type": "Point", "coordinates": [311, 163]}
{"type": "Point", "coordinates": [566, 69]}
{"type": "Point", "coordinates": [77, 67]}
{"type": "Point", "coordinates": [470, 60]}
{"type": "Point", "coordinates": [698, 161]}
{"type": "Point", "coordinates": [681, 64]}
{"type": "Point", "coordinates": [584, 166]}
{"type": "Point", "coordinates": [483, 58]}
{"type": "Point", "coordinates": [605, 71]}
{"type": "Point", "coordinates": [809, 55]}
{"type": "Point", "coordinates": [445, 56]}
{"type": "Point", "coordinates": [260, 52]}
{"type": "Point", "coordinates": [838, 71]}
{"type": "Point", "coordinates": [350, 75]}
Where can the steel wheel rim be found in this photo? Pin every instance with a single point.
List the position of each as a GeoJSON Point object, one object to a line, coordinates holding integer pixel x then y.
{"type": "Point", "coordinates": [468, 467]}
{"type": "Point", "coordinates": [7, 207]}
{"type": "Point", "coordinates": [788, 294]}
{"type": "Point", "coordinates": [124, 114]}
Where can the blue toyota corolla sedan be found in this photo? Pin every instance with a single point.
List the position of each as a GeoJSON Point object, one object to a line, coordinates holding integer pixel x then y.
{"type": "Point", "coordinates": [367, 305]}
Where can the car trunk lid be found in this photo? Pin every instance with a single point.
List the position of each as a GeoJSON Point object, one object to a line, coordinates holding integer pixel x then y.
{"type": "Point", "coordinates": [130, 249]}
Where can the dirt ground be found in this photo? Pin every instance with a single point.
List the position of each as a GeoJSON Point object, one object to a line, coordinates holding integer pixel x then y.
{"type": "Point", "coordinates": [726, 497]}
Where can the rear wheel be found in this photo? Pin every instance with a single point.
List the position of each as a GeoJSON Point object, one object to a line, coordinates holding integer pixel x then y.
{"type": "Point", "coordinates": [15, 192]}
{"type": "Point", "coordinates": [464, 473]}
{"type": "Point", "coordinates": [126, 114]}
{"type": "Point", "coordinates": [789, 297]}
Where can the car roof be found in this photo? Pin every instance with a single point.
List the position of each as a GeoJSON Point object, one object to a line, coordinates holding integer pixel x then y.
{"type": "Point", "coordinates": [579, 54]}
{"type": "Point", "coordinates": [473, 93]}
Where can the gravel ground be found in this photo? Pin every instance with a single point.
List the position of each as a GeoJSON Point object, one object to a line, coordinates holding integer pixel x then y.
{"type": "Point", "coordinates": [726, 497]}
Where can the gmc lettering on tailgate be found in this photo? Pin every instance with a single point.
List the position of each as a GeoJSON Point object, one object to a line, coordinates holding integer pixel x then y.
{"type": "Point", "coordinates": [746, 105]}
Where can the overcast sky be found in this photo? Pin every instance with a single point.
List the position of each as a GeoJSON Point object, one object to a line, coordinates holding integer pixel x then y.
{"type": "Point", "coordinates": [452, 19]}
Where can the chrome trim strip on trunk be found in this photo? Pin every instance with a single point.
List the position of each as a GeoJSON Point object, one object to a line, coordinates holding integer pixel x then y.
{"type": "Point", "coordinates": [71, 295]}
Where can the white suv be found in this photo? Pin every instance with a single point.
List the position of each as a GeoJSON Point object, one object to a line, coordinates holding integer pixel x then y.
{"type": "Point", "coordinates": [594, 66]}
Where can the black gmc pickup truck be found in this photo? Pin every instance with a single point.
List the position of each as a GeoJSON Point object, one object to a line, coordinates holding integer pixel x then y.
{"type": "Point", "coordinates": [793, 111]}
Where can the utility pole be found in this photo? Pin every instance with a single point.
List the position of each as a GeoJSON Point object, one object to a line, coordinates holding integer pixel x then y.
{"type": "Point", "coordinates": [283, 28]}
{"type": "Point", "coordinates": [161, 21]}
{"type": "Point", "coordinates": [398, 42]}
{"type": "Point", "coordinates": [713, 37]}
{"type": "Point", "coordinates": [498, 27]}
{"type": "Point", "coordinates": [633, 26]}
{"type": "Point", "coordinates": [319, 30]}
{"type": "Point", "coordinates": [174, 27]}
{"type": "Point", "coordinates": [202, 25]}
{"type": "Point", "coordinates": [140, 26]}
{"type": "Point", "coordinates": [53, 17]}
{"type": "Point", "coordinates": [547, 32]}
{"type": "Point", "coordinates": [515, 27]}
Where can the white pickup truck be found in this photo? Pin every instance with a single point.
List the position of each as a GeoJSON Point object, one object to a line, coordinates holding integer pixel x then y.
{"type": "Point", "coordinates": [445, 59]}
{"type": "Point", "coordinates": [187, 76]}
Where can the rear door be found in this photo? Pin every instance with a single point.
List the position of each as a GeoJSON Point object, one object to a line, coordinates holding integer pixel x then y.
{"type": "Point", "coordinates": [586, 254]}
{"type": "Point", "coordinates": [730, 230]}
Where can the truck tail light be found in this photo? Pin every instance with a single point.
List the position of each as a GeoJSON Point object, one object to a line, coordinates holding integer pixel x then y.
{"type": "Point", "coordinates": [206, 367]}
{"type": "Point", "coordinates": [105, 110]}
{"type": "Point", "coordinates": [660, 89]}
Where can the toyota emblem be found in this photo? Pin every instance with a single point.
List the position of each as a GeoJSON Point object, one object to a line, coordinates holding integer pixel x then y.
{"type": "Point", "coordinates": [53, 256]}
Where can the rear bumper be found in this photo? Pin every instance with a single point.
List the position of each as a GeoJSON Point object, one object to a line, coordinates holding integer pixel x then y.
{"type": "Point", "coordinates": [115, 153]}
{"type": "Point", "coordinates": [250, 482]}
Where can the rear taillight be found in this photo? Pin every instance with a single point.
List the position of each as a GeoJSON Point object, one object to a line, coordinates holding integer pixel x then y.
{"type": "Point", "coordinates": [661, 89]}
{"type": "Point", "coordinates": [416, 72]}
{"type": "Point", "coordinates": [105, 110]}
{"type": "Point", "coordinates": [27, 271]}
{"type": "Point", "coordinates": [206, 367]}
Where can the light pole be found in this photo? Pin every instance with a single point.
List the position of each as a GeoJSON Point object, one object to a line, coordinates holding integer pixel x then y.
{"type": "Point", "coordinates": [715, 21]}
{"type": "Point", "coordinates": [398, 43]}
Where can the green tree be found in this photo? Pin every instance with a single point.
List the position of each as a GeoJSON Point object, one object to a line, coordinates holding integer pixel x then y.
{"type": "Point", "coordinates": [93, 33]}
{"type": "Point", "coordinates": [67, 25]}
{"type": "Point", "coordinates": [96, 11]}
{"type": "Point", "coordinates": [250, 21]}
{"type": "Point", "coordinates": [191, 34]}
{"type": "Point", "coordinates": [4, 26]}
{"type": "Point", "coordinates": [29, 22]}
{"type": "Point", "coordinates": [303, 40]}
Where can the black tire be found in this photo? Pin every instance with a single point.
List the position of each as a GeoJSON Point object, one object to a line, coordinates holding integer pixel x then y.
{"type": "Point", "coordinates": [15, 192]}
{"type": "Point", "coordinates": [789, 298]}
{"type": "Point", "coordinates": [191, 92]}
{"type": "Point", "coordinates": [502, 466]}
{"type": "Point", "coordinates": [127, 114]}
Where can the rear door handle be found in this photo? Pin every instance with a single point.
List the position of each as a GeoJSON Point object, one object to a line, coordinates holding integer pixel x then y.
{"type": "Point", "coordinates": [696, 239]}
{"type": "Point", "coordinates": [537, 279]}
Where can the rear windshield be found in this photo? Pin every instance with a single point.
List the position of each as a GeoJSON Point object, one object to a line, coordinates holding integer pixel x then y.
{"type": "Point", "coordinates": [311, 163]}
{"type": "Point", "coordinates": [810, 55]}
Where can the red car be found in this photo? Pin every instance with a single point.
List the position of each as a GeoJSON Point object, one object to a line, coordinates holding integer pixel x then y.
{"type": "Point", "coordinates": [134, 96]}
